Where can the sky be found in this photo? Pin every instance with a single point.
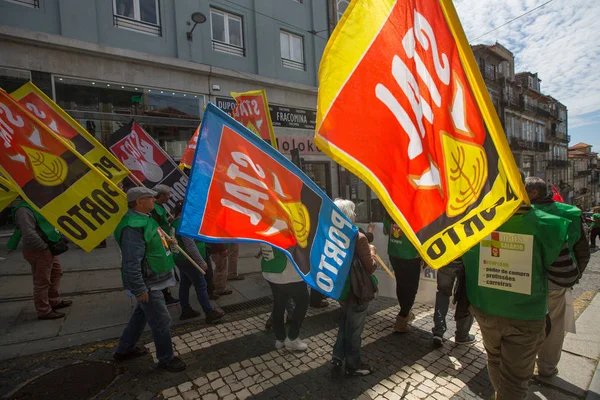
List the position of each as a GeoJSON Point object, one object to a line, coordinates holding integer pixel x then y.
{"type": "Point", "coordinates": [560, 41]}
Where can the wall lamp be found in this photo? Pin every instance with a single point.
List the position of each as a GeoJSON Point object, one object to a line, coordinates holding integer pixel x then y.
{"type": "Point", "coordinates": [198, 18]}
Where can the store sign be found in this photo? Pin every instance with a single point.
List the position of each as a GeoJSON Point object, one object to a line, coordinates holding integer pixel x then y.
{"type": "Point", "coordinates": [305, 145]}
{"type": "Point", "coordinates": [288, 117]}
{"type": "Point", "coordinates": [226, 104]}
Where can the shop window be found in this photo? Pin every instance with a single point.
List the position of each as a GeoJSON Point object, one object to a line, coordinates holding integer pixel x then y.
{"type": "Point", "coordinates": [138, 15]}
{"type": "Point", "coordinates": [227, 32]}
{"type": "Point", "coordinates": [368, 206]}
{"type": "Point", "coordinates": [340, 8]}
{"type": "Point", "coordinates": [12, 79]}
{"type": "Point", "coordinates": [102, 108]}
{"type": "Point", "coordinates": [319, 173]}
{"type": "Point", "coordinates": [292, 50]}
{"type": "Point", "coordinates": [27, 3]}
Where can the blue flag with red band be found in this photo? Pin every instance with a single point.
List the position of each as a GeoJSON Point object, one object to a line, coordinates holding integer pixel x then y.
{"type": "Point", "coordinates": [243, 190]}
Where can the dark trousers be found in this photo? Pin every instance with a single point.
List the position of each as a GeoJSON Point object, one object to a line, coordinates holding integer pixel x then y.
{"type": "Point", "coordinates": [445, 283]}
{"type": "Point", "coordinates": [407, 282]}
{"type": "Point", "coordinates": [316, 297]}
{"type": "Point", "coordinates": [593, 235]}
{"type": "Point", "coordinates": [191, 276]}
{"type": "Point", "coordinates": [298, 292]}
{"type": "Point", "coordinates": [349, 338]}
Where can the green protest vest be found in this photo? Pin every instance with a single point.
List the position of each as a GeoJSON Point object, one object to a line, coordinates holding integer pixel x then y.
{"type": "Point", "coordinates": [566, 211]}
{"type": "Point", "coordinates": [594, 224]}
{"type": "Point", "coordinates": [46, 227]}
{"type": "Point", "coordinates": [273, 260]}
{"type": "Point", "coordinates": [199, 245]}
{"type": "Point", "coordinates": [159, 214]}
{"type": "Point", "coordinates": [398, 245]}
{"type": "Point", "coordinates": [506, 272]}
{"type": "Point", "coordinates": [158, 254]}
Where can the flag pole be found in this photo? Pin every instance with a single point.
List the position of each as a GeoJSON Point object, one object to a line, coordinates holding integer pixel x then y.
{"type": "Point", "coordinates": [384, 266]}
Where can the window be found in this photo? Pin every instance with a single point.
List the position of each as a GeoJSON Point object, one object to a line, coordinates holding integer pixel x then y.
{"type": "Point", "coordinates": [292, 50]}
{"type": "Point", "coordinates": [138, 15]}
{"type": "Point", "coordinates": [28, 3]}
{"type": "Point", "coordinates": [227, 33]}
{"type": "Point", "coordinates": [490, 71]}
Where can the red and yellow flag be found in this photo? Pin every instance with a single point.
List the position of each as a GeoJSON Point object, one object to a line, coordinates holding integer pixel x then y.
{"type": "Point", "coordinates": [49, 113]}
{"type": "Point", "coordinates": [252, 111]}
{"type": "Point", "coordinates": [188, 154]}
{"type": "Point", "coordinates": [403, 105]}
{"type": "Point", "coordinates": [74, 196]}
{"type": "Point", "coordinates": [7, 193]}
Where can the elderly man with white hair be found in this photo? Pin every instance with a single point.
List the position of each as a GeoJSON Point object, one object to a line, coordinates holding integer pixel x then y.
{"type": "Point", "coordinates": [354, 312]}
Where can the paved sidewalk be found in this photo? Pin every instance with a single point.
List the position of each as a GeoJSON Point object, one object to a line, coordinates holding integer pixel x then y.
{"type": "Point", "coordinates": [100, 306]}
{"type": "Point", "coordinates": [237, 360]}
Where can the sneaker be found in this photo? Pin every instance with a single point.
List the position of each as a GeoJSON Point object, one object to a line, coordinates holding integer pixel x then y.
{"type": "Point", "coordinates": [269, 323]}
{"type": "Point", "coordinates": [279, 344]}
{"type": "Point", "coordinates": [214, 316]}
{"type": "Point", "coordinates": [173, 365]}
{"type": "Point", "coordinates": [170, 300]}
{"type": "Point", "coordinates": [189, 314]}
{"type": "Point", "coordinates": [438, 340]}
{"type": "Point", "coordinates": [63, 304]}
{"type": "Point", "coordinates": [213, 296]}
{"type": "Point", "coordinates": [52, 315]}
{"type": "Point", "coordinates": [224, 292]}
{"type": "Point", "coordinates": [236, 278]}
{"type": "Point", "coordinates": [295, 345]}
{"type": "Point", "coordinates": [363, 370]}
{"type": "Point", "coordinates": [137, 352]}
{"type": "Point", "coordinates": [336, 362]}
{"type": "Point", "coordinates": [467, 340]}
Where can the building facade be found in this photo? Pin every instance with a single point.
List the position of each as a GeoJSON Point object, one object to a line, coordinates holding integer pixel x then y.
{"type": "Point", "coordinates": [535, 124]}
{"type": "Point", "coordinates": [161, 61]}
{"type": "Point", "coordinates": [583, 163]}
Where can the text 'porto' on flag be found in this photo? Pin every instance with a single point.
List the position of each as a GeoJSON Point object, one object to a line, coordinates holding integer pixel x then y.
{"type": "Point", "coordinates": [49, 113]}
{"type": "Point", "coordinates": [57, 181]}
{"type": "Point", "coordinates": [402, 105]}
{"type": "Point", "coordinates": [242, 189]}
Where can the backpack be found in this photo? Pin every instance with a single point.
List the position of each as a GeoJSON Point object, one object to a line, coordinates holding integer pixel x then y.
{"type": "Point", "coordinates": [362, 287]}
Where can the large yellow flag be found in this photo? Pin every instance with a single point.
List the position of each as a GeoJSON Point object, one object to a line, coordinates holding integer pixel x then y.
{"type": "Point", "coordinates": [49, 113]}
{"type": "Point", "coordinates": [402, 105]}
{"type": "Point", "coordinates": [74, 196]}
{"type": "Point", "coordinates": [8, 193]}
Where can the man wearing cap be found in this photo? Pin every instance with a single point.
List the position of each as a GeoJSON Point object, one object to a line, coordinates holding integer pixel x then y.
{"type": "Point", "coordinates": [161, 216]}
{"type": "Point", "coordinates": [146, 269]}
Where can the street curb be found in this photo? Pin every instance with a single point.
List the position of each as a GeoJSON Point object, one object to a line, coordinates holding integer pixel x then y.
{"type": "Point", "coordinates": [594, 389]}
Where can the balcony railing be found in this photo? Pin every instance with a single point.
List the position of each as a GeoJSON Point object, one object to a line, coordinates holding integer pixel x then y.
{"type": "Point", "coordinates": [541, 146]}
{"type": "Point", "coordinates": [228, 48]}
{"type": "Point", "coordinates": [558, 164]}
{"type": "Point", "coordinates": [292, 64]}
{"type": "Point", "coordinates": [583, 173]}
{"type": "Point", "coordinates": [138, 26]}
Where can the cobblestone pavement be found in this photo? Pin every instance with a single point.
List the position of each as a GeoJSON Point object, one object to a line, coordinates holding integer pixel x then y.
{"type": "Point", "coordinates": [237, 360]}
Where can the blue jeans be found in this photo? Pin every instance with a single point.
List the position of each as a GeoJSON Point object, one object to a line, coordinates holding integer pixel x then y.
{"type": "Point", "coordinates": [155, 313]}
{"type": "Point", "coordinates": [352, 323]}
{"type": "Point", "coordinates": [191, 276]}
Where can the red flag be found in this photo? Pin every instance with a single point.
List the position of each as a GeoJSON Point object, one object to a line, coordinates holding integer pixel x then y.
{"type": "Point", "coordinates": [556, 196]}
{"type": "Point", "coordinates": [188, 154]}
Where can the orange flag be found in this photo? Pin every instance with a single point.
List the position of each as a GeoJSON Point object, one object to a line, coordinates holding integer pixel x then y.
{"type": "Point", "coordinates": [403, 105]}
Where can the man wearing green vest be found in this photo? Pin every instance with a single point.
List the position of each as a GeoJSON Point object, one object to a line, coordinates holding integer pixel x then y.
{"type": "Point", "coordinates": [407, 268]}
{"type": "Point", "coordinates": [146, 268]}
{"type": "Point", "coordinates": [160, 215]}
{"type": "Point", "coordinates": [285, 283]}
{"type": "Point", "coordinates": [562, 274]}
{"type": "Point", "coordinates": [507, 285]}
{"type": "Point", "coordinates": [38, 236]}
